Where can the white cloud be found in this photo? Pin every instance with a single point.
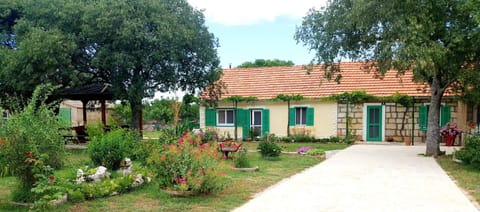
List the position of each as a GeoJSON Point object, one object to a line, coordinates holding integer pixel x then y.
{"type": "Point", "coordinates": [246, 12]}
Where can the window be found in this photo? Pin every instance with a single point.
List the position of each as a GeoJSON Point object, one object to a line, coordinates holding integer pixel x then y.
{"type": "Point", "coordinates": [303, 116]}
{"type": "Point", "coordinates": [300, 116]}
{"type": "Point", "coordinates": [445, 115]}
{"type": "Point", "coordinates": [225, 117]}
{"type": "Point", "coordinates": [4, 115]}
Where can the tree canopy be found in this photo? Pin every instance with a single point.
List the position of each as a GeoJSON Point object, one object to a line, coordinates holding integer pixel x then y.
{"type": "Point", "coordinates": [437, 40]}
{"type": "Point", "coordinates": [139, 47]}
{"type": "Point", "coordinates": [266, 63]}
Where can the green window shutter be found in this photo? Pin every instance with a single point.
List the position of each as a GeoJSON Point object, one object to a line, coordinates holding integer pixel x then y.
{"type": "Point", "coordinates": [423, 117]}
{"type": "Point", "coordinates": [210, 117]}
{"type": "Point", "coordinates": [291, 112]}
{"type": "Point", "coordinates": [65, 115]}
{"type": "Point", "coordinates": [244, 115]}
{"type": "Point", "coordinates": [444, 115]}
{"type": "Point", "coordinates": [310, 116]}
{"type": "Point", "coordinates": [265, 121]}
{"type": "Point", "coordinates": [238, 117]}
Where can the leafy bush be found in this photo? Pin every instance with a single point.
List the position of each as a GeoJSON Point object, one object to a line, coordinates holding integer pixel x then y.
{"type": "Point", "coordinates": [306, 139]}
{"type": "Point", "coordinates": [334, 139]}
{"type": "Point", "coordinates": [95, 130]}
{"type": "Point", "coordinates": [30, 136]}
{"type": "Point", "coordinates": [349, 139]}
{"type": "Point", "coordinates": [315, 152]}
{"type": "Point", "coordinates": [302, 138]}
{"type": "Point", "coordinates": [187, 165]}
{"type": "Point", "coordinates": [269, 148]}
{"type": "Point", "coordinates": [470, 153]}
{"type": "Point", "coordinates": [241, 160]}
{"type": "Point", "coordinates": [110, 149]}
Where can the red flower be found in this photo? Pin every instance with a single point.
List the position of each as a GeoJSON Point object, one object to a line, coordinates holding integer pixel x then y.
{"type": "Point", "coordinates": [51, 179]}
{"type": "Point", "coordinates": [28, 154]}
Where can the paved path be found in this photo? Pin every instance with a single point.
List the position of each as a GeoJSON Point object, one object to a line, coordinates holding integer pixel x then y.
{"type": "Point", "coordinates": [367, 178]}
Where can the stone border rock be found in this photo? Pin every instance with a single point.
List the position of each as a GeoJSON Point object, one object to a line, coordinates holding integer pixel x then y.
{"type": "Point", "coordinates": [252, 169]}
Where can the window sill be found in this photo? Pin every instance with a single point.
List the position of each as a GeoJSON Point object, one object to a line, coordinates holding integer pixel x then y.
{"type": "Point", "coordinates": [225, 125]}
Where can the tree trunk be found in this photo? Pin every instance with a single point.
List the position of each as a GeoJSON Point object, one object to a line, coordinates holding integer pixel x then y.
{"type": "Point", "coordinates": [433, 135]}
{"type": "Point", "coordinates": [136, 107]}
{"type": "Point", "coordinates": [403, 122]}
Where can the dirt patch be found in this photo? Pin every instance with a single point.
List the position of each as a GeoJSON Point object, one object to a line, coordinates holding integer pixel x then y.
{"type": "Point", "coordinates": [147, 204]}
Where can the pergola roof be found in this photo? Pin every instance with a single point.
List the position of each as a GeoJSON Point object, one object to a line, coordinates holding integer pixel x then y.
{"type": "Point", "coordinates": [96, 91]}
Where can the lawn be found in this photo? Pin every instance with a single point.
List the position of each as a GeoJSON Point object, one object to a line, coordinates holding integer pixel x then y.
{"type": "Point", "coordinates": [466, 177]}
{"type": "Point", "coordinates": [241, 185]}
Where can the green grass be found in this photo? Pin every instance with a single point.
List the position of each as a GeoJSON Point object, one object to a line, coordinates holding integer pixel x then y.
{"type": "Point", "coordinates": [467, 177]}
{"type": "Point", "coordinates": [241, 186]}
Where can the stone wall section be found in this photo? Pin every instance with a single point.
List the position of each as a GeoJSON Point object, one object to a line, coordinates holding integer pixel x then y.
{"type": "Point", "coordinates": [397, 117]}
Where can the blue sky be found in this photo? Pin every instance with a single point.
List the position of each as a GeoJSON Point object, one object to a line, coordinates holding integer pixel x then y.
{"type": "Point", "coordinates": [257, 29]}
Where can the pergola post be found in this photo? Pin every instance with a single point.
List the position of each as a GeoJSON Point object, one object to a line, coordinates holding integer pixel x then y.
{"type": "Point", "coordinates": [104, 117]}
{"type": "Point", "coordinates": [84, 111]}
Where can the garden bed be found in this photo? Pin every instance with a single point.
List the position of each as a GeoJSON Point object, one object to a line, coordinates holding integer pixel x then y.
{"type": "Point", "coordinates": [148, 198]}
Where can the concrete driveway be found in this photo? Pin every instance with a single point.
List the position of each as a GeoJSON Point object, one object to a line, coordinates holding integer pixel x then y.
{"type": "Point", "coordinates": [367, 178]}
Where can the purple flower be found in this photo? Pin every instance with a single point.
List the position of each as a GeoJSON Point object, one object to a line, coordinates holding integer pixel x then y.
{"type": "Point", "coordinates": [303, 149]}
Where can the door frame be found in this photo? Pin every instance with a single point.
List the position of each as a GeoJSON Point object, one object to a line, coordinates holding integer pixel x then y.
{"type": "Point", "coordinates": [252, 119]}
{"type": "Point", "coordinates": [365, 113]}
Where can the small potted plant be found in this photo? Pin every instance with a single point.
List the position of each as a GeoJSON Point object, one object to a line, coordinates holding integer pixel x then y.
{"type": "Point", "coordinates": [449, 133]}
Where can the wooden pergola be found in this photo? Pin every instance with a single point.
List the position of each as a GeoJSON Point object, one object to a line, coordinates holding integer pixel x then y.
{"type": "Point", "coordinates": [92, 92]}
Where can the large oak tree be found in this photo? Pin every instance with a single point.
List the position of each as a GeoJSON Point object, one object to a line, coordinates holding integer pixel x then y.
{"type": "Point", "coordinates": [438, 40]}
{"type": "Point", "coordinates": [140, 47]}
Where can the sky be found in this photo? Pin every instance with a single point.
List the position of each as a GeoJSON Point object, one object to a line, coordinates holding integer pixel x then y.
{"type": "Point", "coordinates": [257, 29]}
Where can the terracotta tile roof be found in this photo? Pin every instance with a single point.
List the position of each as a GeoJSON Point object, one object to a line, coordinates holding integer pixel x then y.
{"type": "Point", "coordinates": [268, 82]}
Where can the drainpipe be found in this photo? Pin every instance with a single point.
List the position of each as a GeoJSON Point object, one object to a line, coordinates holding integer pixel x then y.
{"type": "Point", "coordinates": [413, 121]}
{"type": "Point", "coordinates": [235, 105]}
{"type": "Point", "coordinates": [348, 101]}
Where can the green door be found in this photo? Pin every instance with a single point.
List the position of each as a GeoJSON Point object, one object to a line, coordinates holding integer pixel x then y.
{"type": "Point", "coordinates": [374, 123]}
{"type": "Point", "coordinates": [65, 115]}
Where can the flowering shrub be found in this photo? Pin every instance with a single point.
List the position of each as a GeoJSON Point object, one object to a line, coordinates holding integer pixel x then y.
{"type": "Point", "coordinates": [187, 165]}
{"type": "Point", "coordinates": [31, 137]}
{"type": "Point", "coordinates": [450, 130]}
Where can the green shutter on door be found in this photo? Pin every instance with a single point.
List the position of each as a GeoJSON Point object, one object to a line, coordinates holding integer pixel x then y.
{"type": "Point", "coordinates": [238, 117]}
{"type": "Point", "coordinates": [265, 121]}
{"type": "Point", "coordinates": [210, 117]}
{"type": "Point", "coordinates": [65, 115]}
{"type": "Point", "coordinates": [310, 116]}
{"type": "Point", "coordinates": [423, 118]}
{"type": "Point", "coordinates": [244, 115]}
{"type": "Point", "coordinates": [291, 112]}
{"type": "Point", "coordinates": [444, 115]}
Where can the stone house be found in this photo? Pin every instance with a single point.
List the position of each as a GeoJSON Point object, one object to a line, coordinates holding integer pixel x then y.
{"type": "Point", "coordinates": [322, 117]}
